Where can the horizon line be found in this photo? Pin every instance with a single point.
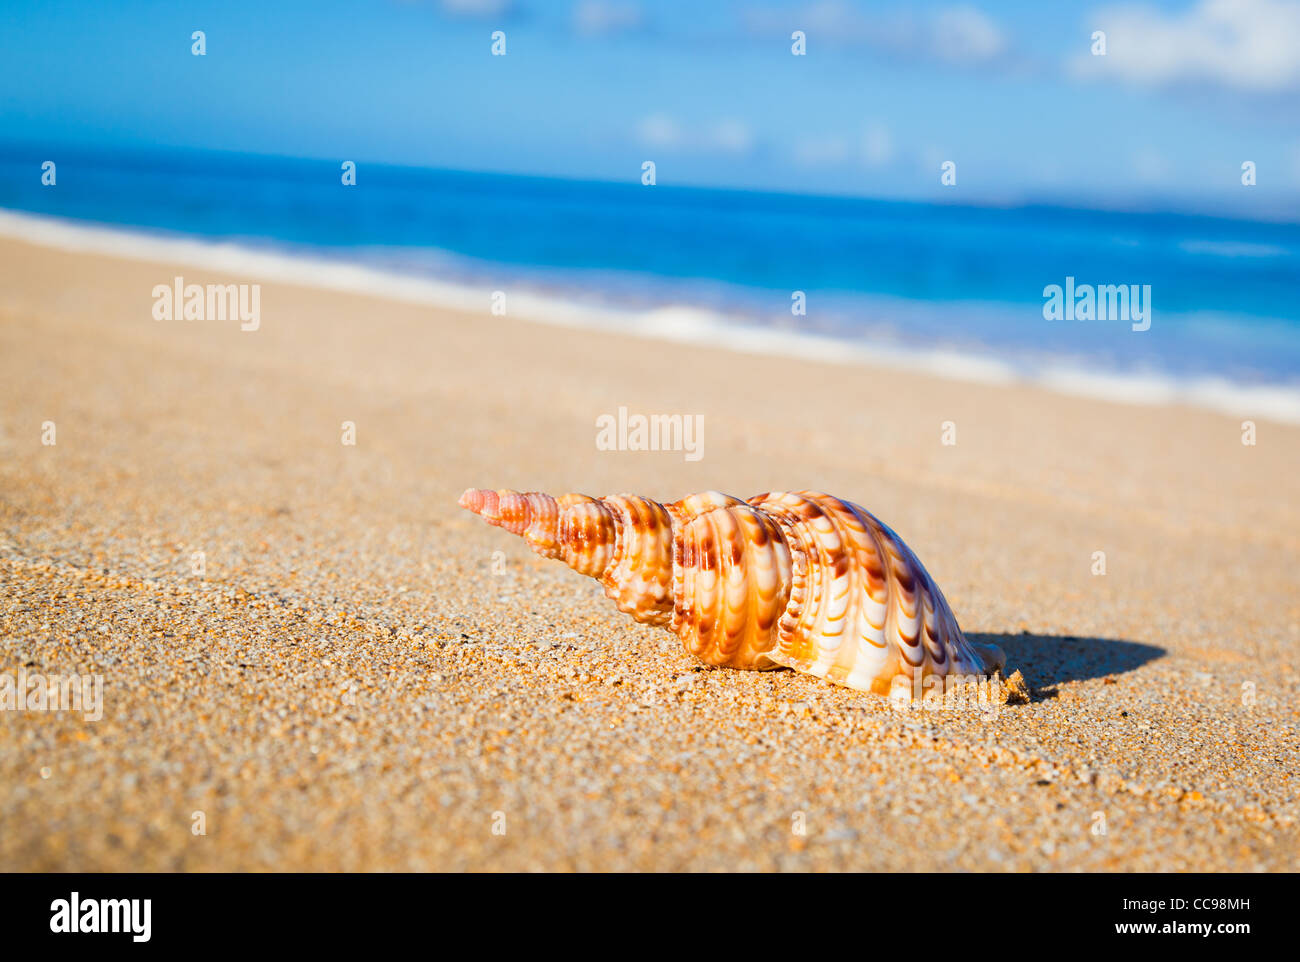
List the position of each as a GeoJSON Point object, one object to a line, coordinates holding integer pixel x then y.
{"type": "Point", "coordinates": [1287, 214]}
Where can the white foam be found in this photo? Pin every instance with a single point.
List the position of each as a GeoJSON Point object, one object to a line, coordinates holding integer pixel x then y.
{"type": "Point", "coordinates": [678, 323]}
{"type": "Point", "coordinates": [1232, 248]}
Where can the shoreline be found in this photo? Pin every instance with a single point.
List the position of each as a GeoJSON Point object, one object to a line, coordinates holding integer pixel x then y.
{"type": "Point", "coordinates": [678, 324]}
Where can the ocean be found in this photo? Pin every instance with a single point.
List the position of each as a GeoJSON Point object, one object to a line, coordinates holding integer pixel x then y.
{"type": "Point", "coordinates": [956, 289]}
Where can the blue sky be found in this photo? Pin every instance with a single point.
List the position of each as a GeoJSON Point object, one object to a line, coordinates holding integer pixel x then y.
{"type": "Point", "coordinates": [708, 90]}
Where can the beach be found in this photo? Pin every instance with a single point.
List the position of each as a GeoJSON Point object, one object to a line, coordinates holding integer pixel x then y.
{"type": "Point", "coordinates": [312, 659]}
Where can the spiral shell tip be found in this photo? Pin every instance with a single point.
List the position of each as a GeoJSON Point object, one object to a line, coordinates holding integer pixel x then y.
{"type": "Point", "coordinates": [483, 502]}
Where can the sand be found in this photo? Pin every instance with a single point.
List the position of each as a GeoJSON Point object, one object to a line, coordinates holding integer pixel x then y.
{"type": "Point", "coordinates": [366, 677]}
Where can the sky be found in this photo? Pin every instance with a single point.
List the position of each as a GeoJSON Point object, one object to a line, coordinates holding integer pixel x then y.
{"type": "Point", "coordinates": [1009, 92]}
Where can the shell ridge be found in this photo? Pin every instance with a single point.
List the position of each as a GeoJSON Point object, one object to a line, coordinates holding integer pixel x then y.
{"type": "Point", "coordinates": [800, 579]}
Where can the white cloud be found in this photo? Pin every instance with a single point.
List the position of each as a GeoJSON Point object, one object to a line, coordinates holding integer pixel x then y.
{"type": "Point", "coordinates": [732, 137]}
{"type": "Point", "coordinates": [1246, 44]}
{"type": "Point", "coordinates": [1151, 166]}
{"type": "Point", "coordinates": [877, 146]}
{"type": "Point", "coordinates": [959, 34]}
{"type": "Point", "coordinates": [965, 35]}
{"type": "Point", "coordinates": [659, 130]}
{"type": "Point", "coordinates": [821, 151]}
{"type": "Point", "coordinates": [665, 133]}
{"type": "Point", "coordinates": [828, 18]}
{"type": "Point", "coordinates": [595, 18]}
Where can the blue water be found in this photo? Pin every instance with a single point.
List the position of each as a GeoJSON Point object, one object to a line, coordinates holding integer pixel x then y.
{"type": "Point", "coordinates": [1225, 293]}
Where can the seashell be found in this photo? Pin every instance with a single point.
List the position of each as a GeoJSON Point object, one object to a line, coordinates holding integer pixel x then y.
{"type": "Point", "coordinates": [790, 579]}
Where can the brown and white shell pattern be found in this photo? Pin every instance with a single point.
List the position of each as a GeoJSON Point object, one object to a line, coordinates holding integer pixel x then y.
{"type": "Point", "coordinates": [795, 579]}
